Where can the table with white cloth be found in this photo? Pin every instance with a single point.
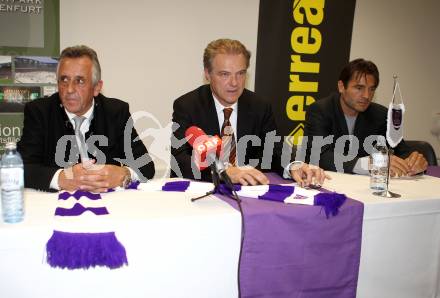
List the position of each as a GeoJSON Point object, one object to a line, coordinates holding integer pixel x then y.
{"type": "Point", "coordinates": [177, 248]}
{"type": "Point", "coordinates": [400, 253]}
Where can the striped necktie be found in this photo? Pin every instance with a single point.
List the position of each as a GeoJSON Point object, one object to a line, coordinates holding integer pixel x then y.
{"type": "Point", "coordinates": [228, 139]}
{"type": "Point", "coordinates": [80, 138]}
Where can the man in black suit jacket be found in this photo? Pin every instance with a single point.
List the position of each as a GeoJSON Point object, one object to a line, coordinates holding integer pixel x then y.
{"type": "Point", "coordinates": [48, 144]}
{"type": "Point", "coordinates": [225, 64]}
{"type": "Point", "coordinates": [352, 113]}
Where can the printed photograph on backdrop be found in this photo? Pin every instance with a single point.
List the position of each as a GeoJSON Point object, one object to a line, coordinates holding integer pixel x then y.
{"type": "Point", "coordinates": [35, 70]}
{"type": "Point", "coordinates": [19, 94]}
{"type": "Point", "coordinates": [5, 70]}
{"type": "Point", "coordinates": [48, 90]}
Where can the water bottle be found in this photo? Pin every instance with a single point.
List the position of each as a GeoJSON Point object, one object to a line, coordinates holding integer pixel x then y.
{"type": "Point", "coordinates": [11, 177]}
{"type": "Point", "coordinates": [379, 166]}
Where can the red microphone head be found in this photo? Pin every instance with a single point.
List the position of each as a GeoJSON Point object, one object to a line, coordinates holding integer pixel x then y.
{"type": "Point", "coordinates": [203, 145]}
{"type": "Point", "coordinates": [193, 133]}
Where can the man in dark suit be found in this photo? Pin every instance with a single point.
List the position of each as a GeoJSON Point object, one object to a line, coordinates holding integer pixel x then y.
{"type": "Point", "coordinates": [352, 113]}
{"type": "Point", "coordinates": [78, 119]}
{"type": "Point", "coordinates": [226, 104]}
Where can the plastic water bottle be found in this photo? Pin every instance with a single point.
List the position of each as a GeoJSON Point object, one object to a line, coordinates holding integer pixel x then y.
{"type": "Point", "coordinates": [379, 166]}
{"type": "Point", "coordinates": [11, 174]}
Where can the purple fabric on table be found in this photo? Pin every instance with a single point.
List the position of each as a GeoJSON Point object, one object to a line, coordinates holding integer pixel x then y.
{"type": "Point", "coordinates": [277, 179]}
{"type": "Point", "coordinates": [79, 209]}
{"type": "Point", "coordinates": [223, 189]}
{"type": "Point", "coordinates": [293, 250]}
{"type": "Point", "coordinates": [176, 186]}
{"type": "Point", "coordinates": [78, 194]}
{"type": "Point", "coordinates": [133, 185]}
{"type": "Point", "coordinates": [330, 201]}
{"type": "Point", "coordinates": [433, 171]}
{"type": "Point", "coordinates": [277, 193]}
{"type": "Point", "coordinates": [85, 250]}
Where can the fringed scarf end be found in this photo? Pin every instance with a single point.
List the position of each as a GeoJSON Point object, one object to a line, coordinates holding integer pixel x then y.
{"type": "Point", "coordinates": [85, 250]}
{"type": "Point", "coordinates": [331, 202]}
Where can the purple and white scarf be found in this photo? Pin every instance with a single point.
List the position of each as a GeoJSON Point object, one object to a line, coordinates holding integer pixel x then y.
{"type": "Point", "coordinates": [286, 193]}
{"type": "Point", "coordinates": [179, 185]}
{"type": "Point", "coordinates": [291, 194]}
{"type": "Point", "coordinates": [83, 236]}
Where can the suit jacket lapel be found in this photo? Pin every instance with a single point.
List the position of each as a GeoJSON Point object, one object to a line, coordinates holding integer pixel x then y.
{"type": "Point", "coordinates": [98, 127]}
{"type": "Point", "coordinates": [210, 118]}
{"type": "Point", "coordinates": [61, 123]}
{"type": "Point", "coordinates": [244, 117]}
{"type": "Point", "coordinates": [97, 123]}
{"type": "Point", "coordinates": [61, 126]}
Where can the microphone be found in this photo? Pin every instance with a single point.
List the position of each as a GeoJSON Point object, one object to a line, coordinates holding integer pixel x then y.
{"type": "Point", "coordinates": [206, 151]}
{"type": "Point", "coordinates": [206, 148]}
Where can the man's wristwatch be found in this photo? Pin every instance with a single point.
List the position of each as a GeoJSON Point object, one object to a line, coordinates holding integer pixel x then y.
{"type": "Point", "coordinates": [127, 178]}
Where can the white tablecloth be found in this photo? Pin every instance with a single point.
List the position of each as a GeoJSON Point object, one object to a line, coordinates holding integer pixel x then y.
{"type": "Point", "coordinates": [177, 248]}
{"type": "Point", "coordinates": [400, 256]}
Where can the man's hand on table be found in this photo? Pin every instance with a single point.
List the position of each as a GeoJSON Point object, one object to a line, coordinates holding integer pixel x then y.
{"type": "Point", "coordinates": [414, 164]}
{"type": "Point", "coordinates": [90, 177]}
{"type": "Point", "coordinates": [304, 174]}
{"type": "Point", "coordinates": [246, 175]}
{"type": "Point", "coordinates": [308, 175]}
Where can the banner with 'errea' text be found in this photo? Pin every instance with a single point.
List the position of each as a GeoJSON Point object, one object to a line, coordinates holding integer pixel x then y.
{"type": "Point", "coordinates": [302, 46]}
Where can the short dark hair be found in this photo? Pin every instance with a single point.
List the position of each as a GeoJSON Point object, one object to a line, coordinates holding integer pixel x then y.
{"type": "Point", "coordinates": [84, 51]}
{"type": "Point", "coordinates": [357, 68]}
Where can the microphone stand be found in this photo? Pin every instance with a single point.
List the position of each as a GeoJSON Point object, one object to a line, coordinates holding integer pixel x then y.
{"type": "Point", "coordinates": [233, 195]}
{"type": "Point", "coordinates": [218, 173]}
{"type": "Point", "coordinates": [215, 180]}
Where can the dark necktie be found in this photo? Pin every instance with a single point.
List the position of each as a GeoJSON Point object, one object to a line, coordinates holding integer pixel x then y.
{"type": "Point", "coordinates": [80, 138]}
{"type": "Point", "coordinates": [228, 139]}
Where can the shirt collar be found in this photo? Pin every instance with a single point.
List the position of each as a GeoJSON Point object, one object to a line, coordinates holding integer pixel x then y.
{"type": "Point", "coordinates": [219, 107]}
{"type": "Point", "coordinates": [88, 115]}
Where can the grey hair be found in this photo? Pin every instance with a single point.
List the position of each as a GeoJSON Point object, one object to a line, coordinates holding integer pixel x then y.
{"type": "Point", "coordinates": [83, 51]}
